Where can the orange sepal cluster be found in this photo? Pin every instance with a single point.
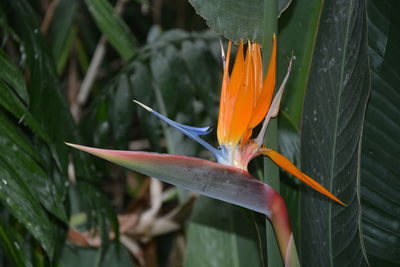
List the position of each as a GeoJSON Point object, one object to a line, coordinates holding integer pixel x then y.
{"type": "Point", "coordinates": [245, 95]}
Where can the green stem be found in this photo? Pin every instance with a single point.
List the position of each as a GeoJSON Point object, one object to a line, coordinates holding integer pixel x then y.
{"type": "Point", "coordinates": [271, 172]}
{"type": "Point", "coordinates": [271, 177]}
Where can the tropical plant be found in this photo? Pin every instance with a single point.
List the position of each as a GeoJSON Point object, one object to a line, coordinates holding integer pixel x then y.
{"type": "Point", "coordinates": [70, 70]}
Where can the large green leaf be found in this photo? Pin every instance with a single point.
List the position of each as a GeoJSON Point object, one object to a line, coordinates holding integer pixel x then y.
{"type": "Point", "coordinates": [297, 32]}
{"type": "Point", "coordinates": [227, 230]}
{"type": "Point", "coordinates": [380, 183]}
{"type": "Point", "coordinates": [333, 118]}
{"type": "Point", "coordinates": [237, 19]}
{"type": "Point", "coordinates": [113, 27]}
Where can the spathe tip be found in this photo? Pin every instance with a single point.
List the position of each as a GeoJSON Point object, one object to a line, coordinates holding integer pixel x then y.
{"type": "Point", "coordinates": [143, 105]}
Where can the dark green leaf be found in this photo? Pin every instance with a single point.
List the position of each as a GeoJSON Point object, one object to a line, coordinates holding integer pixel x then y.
{"type": "Point", "coordinates": [204, 72]}
{"type": "Point", "coordinates": [172, 36]}
{"type": "Point", "coordinates": [236, 19]}
{"type": "Point", "coordinates": [168, 71]}
{"type": "Point", "coordinates": [11, 247]}
{"type": "Point", "coordinates": [62, 33]}
{"type": "Point", "coordinates": [380, 183]}
{"type": "Point", "coordinates": [17, 108]}
{"type": "Point", "coordinates": [219, 229]}
{"type": "Point", "coordinates": [23, 204]}
{"type": "Point", "coordinates": [172, 84]}
{"type": "Point", "coordinates": [47, 105]}
{"type": "Point", "coordinates": [48, 109]}
{"type": "Point", "coordinates": [297, 32]}
{"type": "Point", "coordinates": [333, 117]}
{"type": "Point", "coordinates": [113, 27]}
{"type": "Point", "coordinates": [121, 111]}
{"type": "Point", "coordinates": [143, 91]}
{"type": "Point", "coordinates": [12, 76]}
{"type": "Point", "coordinates": [20, 154]}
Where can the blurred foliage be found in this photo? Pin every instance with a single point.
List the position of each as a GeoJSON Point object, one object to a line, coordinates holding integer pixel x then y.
{"type": "Point", "coordinates": [69, 71]}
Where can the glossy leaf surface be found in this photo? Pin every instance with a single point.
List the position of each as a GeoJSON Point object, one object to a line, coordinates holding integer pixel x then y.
{"type": "Point", "coordinates": [236, 19]}
{"type": "Point", "coordinates": [380, 169]}
{"type": "Point", "coordinates": [333, 118]}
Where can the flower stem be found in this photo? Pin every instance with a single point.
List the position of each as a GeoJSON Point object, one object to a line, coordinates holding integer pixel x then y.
{"type": "Point", "coordinates": [283, 233]}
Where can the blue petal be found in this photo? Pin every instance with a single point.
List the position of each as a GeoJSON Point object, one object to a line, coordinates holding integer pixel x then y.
{"type": "Point", "coordinates": [195, 130]}
{"type": "Point", "coordinates": [190, 131]}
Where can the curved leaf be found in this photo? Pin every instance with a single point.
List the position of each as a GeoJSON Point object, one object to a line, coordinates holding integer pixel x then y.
{"type": "Point", "coordinates": [43, 87]}
{"type": "Point", "coordinates": [12, 76]}
{"type": "Point", "coordinates": [23, 204]}
{"type": "Point", "coordinates": [26, 163]}
{"type": "Point", "coordinates": [237, 19]}
{"type": "Point", "coordinates": [332, 125]}
{"type": "Point", "coordinates": [211, 179]}
{"type": "Point", "coordinates": [62, 33]}
{"type": "Point", "coordinates": [113, 27]}
{"type": "Point", "coordinates": [380, 171]}
{"type": "Point", "coordinates": [202, 176]}
{"type": "Point", "coordinates": [47, 117]}
{"type": "Point", "coordinates": [297, 33]}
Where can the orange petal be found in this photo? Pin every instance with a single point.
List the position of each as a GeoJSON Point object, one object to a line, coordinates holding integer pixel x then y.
{"type": "Point", "coordinates": [285, 164]}
{"type": "Point", "coordinates": [221, 129]}
{"type": "Point", "coordinates": [243, 106]}
{"type": "Point", "coordinates": [258, 71]}
{"type": "Point", "coordinates": [264, 100]}
{"type": "Point", "coordinates": [229, 97]}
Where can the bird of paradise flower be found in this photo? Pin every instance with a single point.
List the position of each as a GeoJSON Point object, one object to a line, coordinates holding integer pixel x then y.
{"type": "Point", "coordinates": [246, 100]}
